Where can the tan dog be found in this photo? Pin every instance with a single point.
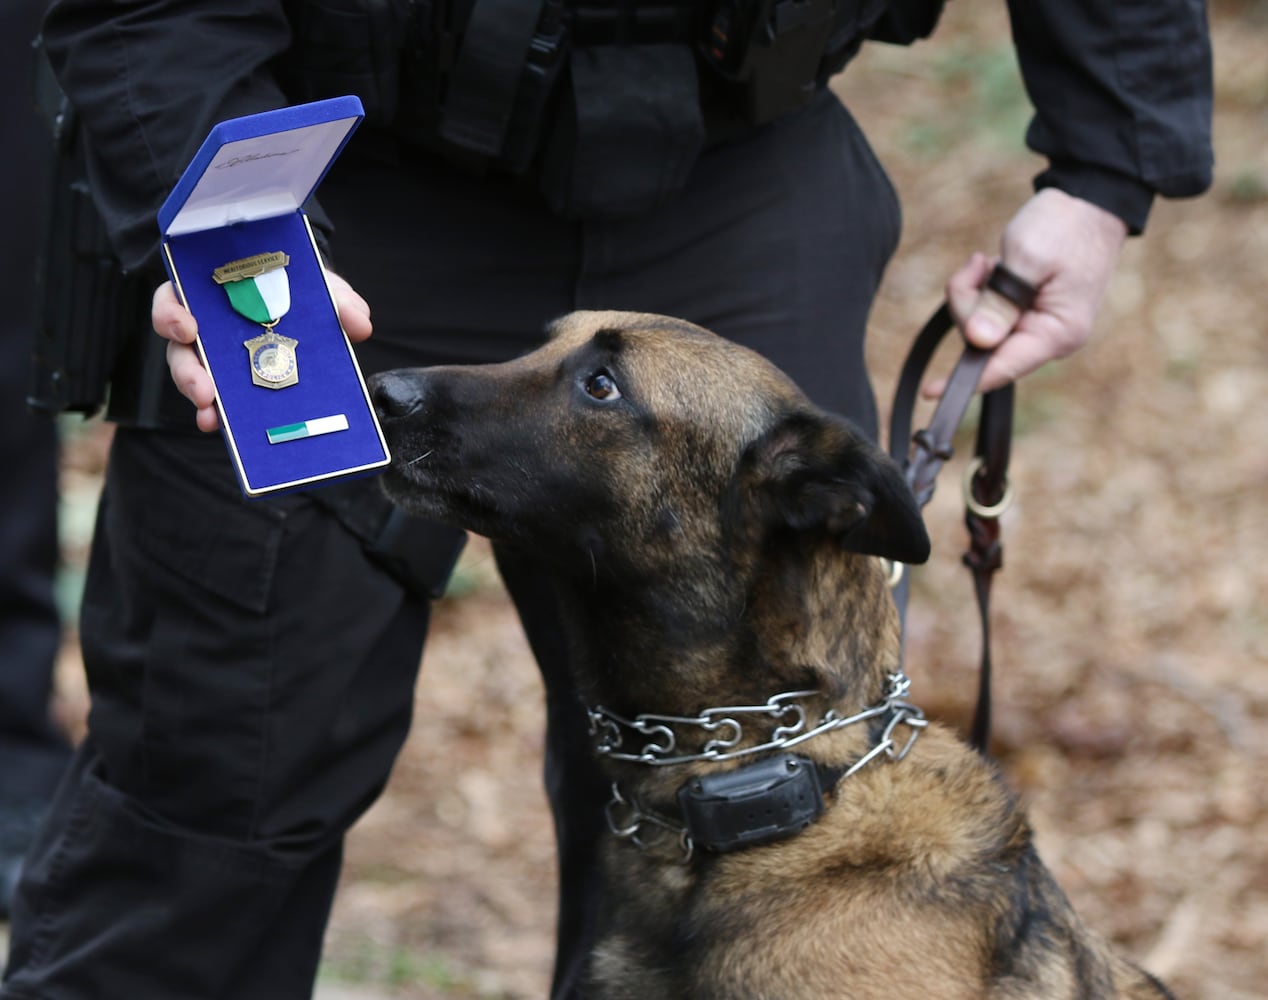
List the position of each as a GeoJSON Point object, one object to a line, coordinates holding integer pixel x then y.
{"type": "Point", "coordinates": [715, 541]}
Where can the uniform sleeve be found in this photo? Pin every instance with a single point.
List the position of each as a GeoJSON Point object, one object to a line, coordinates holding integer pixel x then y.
{"type": "Point", "coordinates": [1122, 92]}
{"type": "Point", "coordinates": [149, 78]}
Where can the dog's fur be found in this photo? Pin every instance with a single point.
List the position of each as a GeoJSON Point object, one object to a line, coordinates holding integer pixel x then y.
{"type": "Point", "coordinates": [714, 538]}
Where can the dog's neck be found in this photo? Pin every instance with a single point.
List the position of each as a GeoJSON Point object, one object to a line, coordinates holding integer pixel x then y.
{"type": "Point", "coordinates": [672, 645]}
{"type": "Point", "coordinates": [795, 656]}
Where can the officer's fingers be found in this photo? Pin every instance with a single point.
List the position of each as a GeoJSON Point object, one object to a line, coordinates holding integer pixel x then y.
{"type": "Point", "coordinates": [1019, 355]}
{"type": "Point", "coordinates": [1031, 346]}
{"type": "Point", "coordinates": [987, 316]}
{"type": "Point", "coordinates": [169, 318]}
{"type": "Point", "coordinates": [194, 383]}
{"type": "Point", "coordinates": [354, 311]}
{"type": "Point", "coordinates": [965, 285]}
{"type": "Point", "coordinates": [964, 296]}
{"type": "Point", "coordinates": [189, 375]}
{"type": "Point", "coordinates": [208, 419]}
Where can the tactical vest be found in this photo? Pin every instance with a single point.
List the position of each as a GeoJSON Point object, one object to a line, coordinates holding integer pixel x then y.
{"type": "Point", "coordinates": [607, 102]}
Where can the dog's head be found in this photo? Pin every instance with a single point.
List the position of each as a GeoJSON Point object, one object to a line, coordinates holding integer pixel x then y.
{"type": "Point", "coordinates": [683, 485]}
{"type": "Point", "coordinates": [636, 440]}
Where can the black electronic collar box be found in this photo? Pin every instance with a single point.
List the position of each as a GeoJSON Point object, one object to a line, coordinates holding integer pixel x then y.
{"type": "Point", "coordinates": [293, 404]}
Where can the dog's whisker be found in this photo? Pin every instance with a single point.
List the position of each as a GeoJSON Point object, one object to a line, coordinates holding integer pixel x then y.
{"type": "Point", "coordinates": [415, 461]}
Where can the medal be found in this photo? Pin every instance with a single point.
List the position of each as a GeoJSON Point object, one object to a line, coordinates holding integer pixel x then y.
{"type": "Point", "coordinates": [273, 363]}
{"type": "Point", "coordinates": [259, 290]}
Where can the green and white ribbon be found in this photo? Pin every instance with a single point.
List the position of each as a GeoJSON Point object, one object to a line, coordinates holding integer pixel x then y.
{"type": "Point", "coordinates": [257, 286]}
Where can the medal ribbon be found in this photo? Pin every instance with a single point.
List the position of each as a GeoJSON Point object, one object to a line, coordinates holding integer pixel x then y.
{"type": "Point", "coordinates": [258, 287]}
{"type": "Point", "coordinates": [263, 299]}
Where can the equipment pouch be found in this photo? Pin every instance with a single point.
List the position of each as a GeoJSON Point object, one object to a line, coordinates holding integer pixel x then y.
{"type": "Point", "coordinates": [772, 51]}
{"type": "Point", "coordinates": [628, 133]}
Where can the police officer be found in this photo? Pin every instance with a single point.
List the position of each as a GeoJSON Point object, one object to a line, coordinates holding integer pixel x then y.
{"type": "Point", "coordinates": [252, 663]}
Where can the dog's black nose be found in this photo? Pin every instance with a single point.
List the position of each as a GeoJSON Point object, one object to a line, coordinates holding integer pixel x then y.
{"type": "Point", "coordinates": [396, 393]}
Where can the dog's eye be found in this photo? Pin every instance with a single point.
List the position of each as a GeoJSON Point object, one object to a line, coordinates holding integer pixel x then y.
{"type": "Point", "coordinates": [602, 386]}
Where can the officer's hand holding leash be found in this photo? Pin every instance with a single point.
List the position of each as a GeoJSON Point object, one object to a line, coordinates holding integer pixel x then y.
{"type": "Point", "coordinates": [1065, 248]}
{"type": "Point", "coordinates": [176, 324]}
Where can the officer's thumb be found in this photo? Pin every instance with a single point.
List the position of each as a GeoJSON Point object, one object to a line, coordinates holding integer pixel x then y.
{"type": "Point", "coordinates": [985, 316]}
{"type": "Point", "coordinates": [992, 319]}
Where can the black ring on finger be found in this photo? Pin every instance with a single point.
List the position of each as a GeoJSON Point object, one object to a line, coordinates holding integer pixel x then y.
{"type": "Point", "coordinates": [1018, 291]}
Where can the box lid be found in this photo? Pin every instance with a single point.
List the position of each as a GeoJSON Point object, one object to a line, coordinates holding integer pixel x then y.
{"type": "Point", "coordinates": [259, 166]}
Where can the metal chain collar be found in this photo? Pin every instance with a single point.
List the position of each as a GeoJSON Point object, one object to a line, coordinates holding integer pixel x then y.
{"type": "Point", "coordinates": [609, 730]}
{"type": "Point", "coordinates": [628, 820]}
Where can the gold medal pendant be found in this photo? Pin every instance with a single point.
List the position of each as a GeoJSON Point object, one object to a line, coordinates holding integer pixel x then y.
{"type": "Point", "coordinates": [259, 290]}
{"type": "Point", "coordinates": [273, 363]}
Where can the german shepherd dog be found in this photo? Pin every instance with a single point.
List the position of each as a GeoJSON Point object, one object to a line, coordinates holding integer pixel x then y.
{"type": "Point", "coordinates": [785, 825]}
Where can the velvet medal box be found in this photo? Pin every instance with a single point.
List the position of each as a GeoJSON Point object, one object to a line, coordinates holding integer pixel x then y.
{"type": "Point", "coordinates": [293, 405]}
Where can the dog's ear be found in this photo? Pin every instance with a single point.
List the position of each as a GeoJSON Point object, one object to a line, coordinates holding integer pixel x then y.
{"type": "Point", "coordinates": [813, 471]}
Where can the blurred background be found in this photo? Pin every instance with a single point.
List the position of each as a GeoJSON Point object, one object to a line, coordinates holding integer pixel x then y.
{"type": "Point", "coordinates": [1131, 632]}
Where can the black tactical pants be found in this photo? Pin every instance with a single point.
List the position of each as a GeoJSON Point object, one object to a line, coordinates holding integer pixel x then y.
{"type": "Point", "coordinates": [252, 672]}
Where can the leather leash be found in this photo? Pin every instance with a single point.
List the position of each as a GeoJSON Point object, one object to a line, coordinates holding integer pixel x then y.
{"type": "Point", "coordinates": [986, 489]}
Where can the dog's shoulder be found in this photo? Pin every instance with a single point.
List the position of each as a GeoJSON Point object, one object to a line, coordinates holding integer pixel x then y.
{"type": "Point", "coordinates": [940, 811]}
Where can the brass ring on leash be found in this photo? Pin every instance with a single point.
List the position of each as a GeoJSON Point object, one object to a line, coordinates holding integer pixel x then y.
{"type": "Point", "coordinates": [988, 512]}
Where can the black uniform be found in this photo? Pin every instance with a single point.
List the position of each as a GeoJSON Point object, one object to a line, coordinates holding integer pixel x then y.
{"type": "Point", "coordinates": [252, 668]}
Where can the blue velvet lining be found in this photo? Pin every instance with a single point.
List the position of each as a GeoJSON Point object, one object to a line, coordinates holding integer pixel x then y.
{"type": "Point", "coordinates": [329, 379]}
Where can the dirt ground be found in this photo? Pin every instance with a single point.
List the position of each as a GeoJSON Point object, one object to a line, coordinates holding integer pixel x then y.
{"type": "Point", "coordinates": [1131, 641]}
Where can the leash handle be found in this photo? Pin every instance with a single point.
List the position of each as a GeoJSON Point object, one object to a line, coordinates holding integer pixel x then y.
{"type": "Point", "coordinates": [921, 456]}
